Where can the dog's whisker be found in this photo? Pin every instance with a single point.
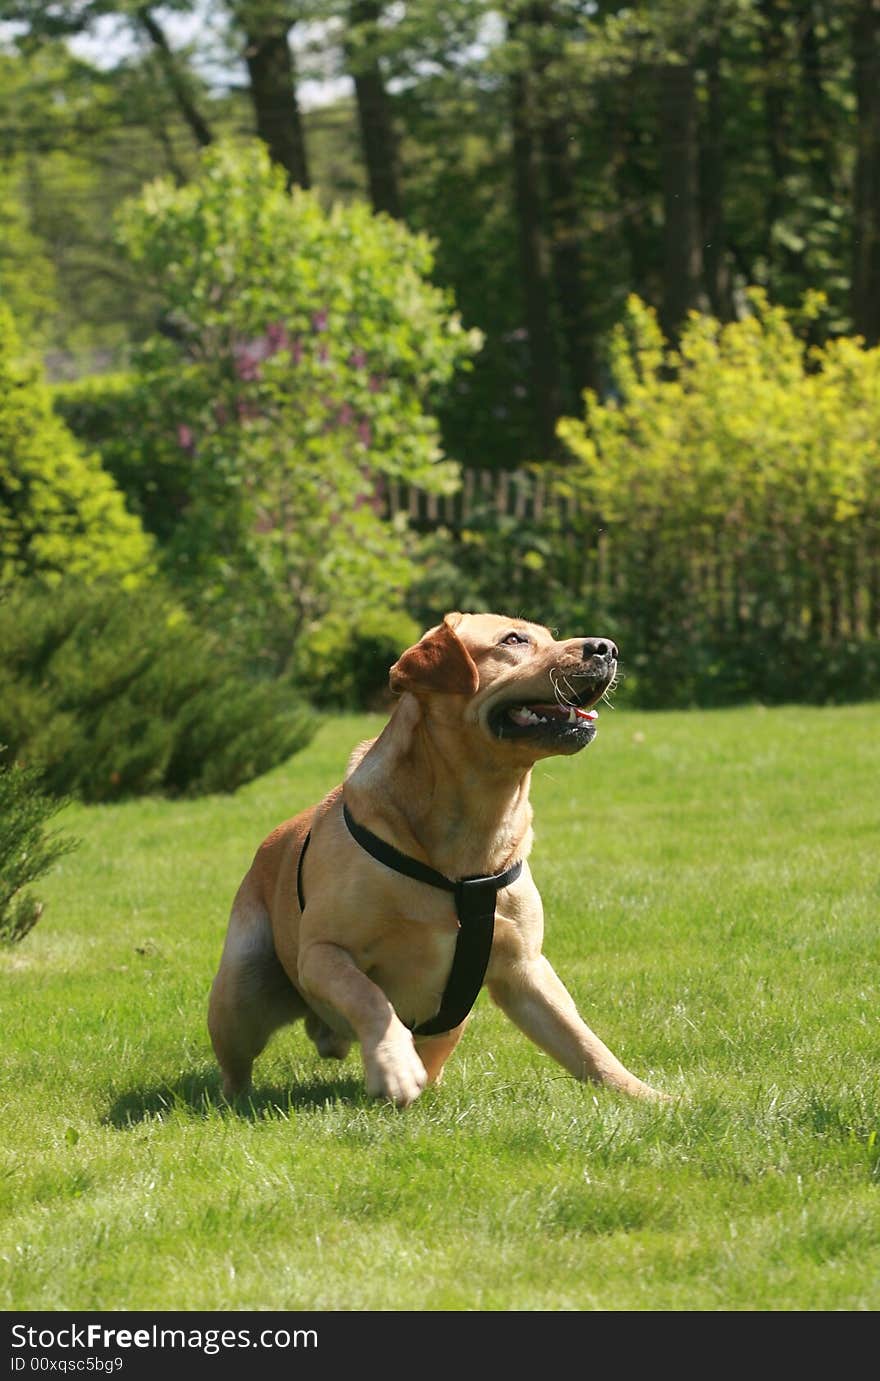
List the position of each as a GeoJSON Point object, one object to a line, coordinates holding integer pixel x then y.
{"type": "Point", "coordinates": [561, 698]}
{"type": "Point", "coordinates": [608, 691]}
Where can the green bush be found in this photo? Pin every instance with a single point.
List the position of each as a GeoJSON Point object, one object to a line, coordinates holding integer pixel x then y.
{"type": "Point", "coordinates": [737, 481]}
{"type": "Point", "coordinates": [344, 661]}
{"type": "Point", "coordinates": [719, 518]}
{"type": "Point", "coordinates": [121, 419]}
{"type": "Point", "coordinates": [115, 693]}
{"type": "Point", "coordinates": [61, 515]}
{"type": "Point", "coordinates": [306, 355]}
{"type": "Point", "coordinates": [26, 850]}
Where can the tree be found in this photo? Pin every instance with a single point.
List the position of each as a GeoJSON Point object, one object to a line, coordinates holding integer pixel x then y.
{"type": "Point", "coordinates": [561, 153]}
{"type": "Point", "coordinates": [77, 141]}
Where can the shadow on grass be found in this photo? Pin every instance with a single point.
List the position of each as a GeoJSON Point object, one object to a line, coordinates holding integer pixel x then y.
{"type": "Point", "coordinates": [201, 1094]}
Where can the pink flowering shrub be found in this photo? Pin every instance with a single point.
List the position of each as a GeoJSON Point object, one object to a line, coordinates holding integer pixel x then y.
{"type": "Point", "coordinates": [301, 356]}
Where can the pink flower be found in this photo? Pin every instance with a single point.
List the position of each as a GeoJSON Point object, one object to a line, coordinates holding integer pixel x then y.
{"type": "Point", "coordinates": [186, 438]}
{"type": "Point", "coordinates": [320, 319]}
{"type": "Point", "coordinates": [365, 433]}
{"type": "Point", "coordinates": [249, 355]}
{"type": "Point", "coordinates": [245, 410]}
{"type": "Point", "coordinates": [357, 359]}
{"type": "Point", "coordinates": [276, 337]}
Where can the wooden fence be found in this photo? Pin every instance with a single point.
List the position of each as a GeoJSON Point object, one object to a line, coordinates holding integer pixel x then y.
{"type": "Point", "coordinates": [527, 495]}
{"type": "Point", "coordinates": [825, 583]}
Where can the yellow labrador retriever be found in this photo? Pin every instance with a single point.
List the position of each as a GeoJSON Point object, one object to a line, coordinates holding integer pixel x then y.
{"type": "Point", "coordinates": [378, 914]}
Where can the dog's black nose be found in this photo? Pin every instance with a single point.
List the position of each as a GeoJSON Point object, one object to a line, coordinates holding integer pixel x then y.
{"type": "Point", "coordinates": [599, 647]}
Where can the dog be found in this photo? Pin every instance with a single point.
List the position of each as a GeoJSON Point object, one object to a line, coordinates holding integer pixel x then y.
{"type": "Point", "coordinates": [356, 914]}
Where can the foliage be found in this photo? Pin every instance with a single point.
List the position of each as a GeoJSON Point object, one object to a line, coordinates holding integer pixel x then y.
{"type": "Point", "coordinates": [304, 350]}
{"type": "Point", "coordinates": [120, 418]}
{"type": "Point", "coordinates": [27, 271]}
{"type": "Point", "coordinates": [777, 128]}
{"type": "Point", "coordinates": [26, 850]}
{"type": "Point", "coordinates": [344, 661]}
{"type": "Point", "coordinates": [718, 516]}
{"type": "Point", "coordinates": [117, 693]}
{"type": "Point", "coordinates": [60, 514]}
{"type": "Point", "coordinates": [738, 481]}
{"type": "Point", "coordinates": [78, 139]}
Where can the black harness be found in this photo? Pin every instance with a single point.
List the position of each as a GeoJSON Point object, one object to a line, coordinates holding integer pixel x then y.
{"type": "Point", "coordinates": [475, 899]}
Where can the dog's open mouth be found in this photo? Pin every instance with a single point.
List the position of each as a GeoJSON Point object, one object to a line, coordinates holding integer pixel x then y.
{"type": "Point", "coordinates": [575, 724]}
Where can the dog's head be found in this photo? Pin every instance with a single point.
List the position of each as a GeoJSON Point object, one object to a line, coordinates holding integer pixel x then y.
{"type": "Point", "coordinates": [514, 683]}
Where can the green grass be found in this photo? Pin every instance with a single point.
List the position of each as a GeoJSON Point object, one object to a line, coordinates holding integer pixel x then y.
{"type": "Point", "coordinates": [711, 883]}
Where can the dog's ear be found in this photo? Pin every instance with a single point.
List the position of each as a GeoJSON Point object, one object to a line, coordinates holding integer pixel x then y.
{"type": "Point", "coordinates": [440, 662]}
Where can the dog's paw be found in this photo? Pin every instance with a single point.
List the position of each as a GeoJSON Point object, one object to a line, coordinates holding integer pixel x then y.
{"type": "Point", "coordinates": [393, 1070]}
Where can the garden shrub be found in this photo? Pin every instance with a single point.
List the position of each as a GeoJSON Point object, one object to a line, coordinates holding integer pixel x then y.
{"type": "Point", "coordinates": [27, 851]}
{"type": "Point", "coordinates": [121, 419]}
{"type": "Point", "coordinates": [114, 693]}
{"type": "Point", "coordinates": [304, 353]}
{"type": "Point", "coordinates": [61, 515]}
{"type": "Point", "coordinates": [737, 482]}
{"type": "Point", "coordinates": [719, 517]}
{"type": "Point", "coordinates": [344, 661]}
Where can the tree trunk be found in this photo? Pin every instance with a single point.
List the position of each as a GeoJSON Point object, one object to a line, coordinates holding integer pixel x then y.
{"type": "Point", "coordinates": [817, 122]}
{"type": "Point", "coordinates": [273, 92]}
{"type": "Point", "coordinates": [775, 61]}
{"type": "Point", "coordinates": [633, 182]}
{"type": "Point", "coordinates": [537, 281]}
{"type": "Point", "coordinates": [716, 264]}
{"type": "Point", "coordinates": [567, 256]}
{"type": "Point", "coordinates": [778, 120]}
{"type": "Point", "coordinates": [374, 110]}
{"type": "Point", "coordinates": [566, 241]}
{"type": "Point", "coordinates": [175, 77]}
{"type": "Point", "coordinates": [679, 159]}
{"type": "Point", "coordinates": [866, 227]}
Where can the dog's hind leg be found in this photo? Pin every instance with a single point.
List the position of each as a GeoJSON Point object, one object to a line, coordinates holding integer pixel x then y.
{"type": "Point", "coordinates": [251, 996]}
{"type": "Point", "coordinates": [434, 1051]}
{"type": "Point", "coordinates": [328, 1043]}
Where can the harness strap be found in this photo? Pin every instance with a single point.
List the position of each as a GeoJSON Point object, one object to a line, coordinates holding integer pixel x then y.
{"type": "Point", "coordinates": [475, 899]}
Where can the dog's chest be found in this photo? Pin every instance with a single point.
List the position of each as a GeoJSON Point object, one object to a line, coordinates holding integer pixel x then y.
{"type": "Point", "coordinates": [411, 960]}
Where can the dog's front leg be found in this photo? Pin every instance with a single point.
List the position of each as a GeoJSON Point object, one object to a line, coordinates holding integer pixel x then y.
{"type": "Point", "coordinates": [539, 1003]}
{"type": "Point", "coordinates": [392, 1068]}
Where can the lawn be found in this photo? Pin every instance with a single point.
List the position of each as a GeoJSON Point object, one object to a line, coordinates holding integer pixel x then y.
{"type": "Point", "coordinates": [711, 883]}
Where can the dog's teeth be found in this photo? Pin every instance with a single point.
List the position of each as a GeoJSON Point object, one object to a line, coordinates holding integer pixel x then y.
{"type": "Point", "coordinates": [521, 715]}
{"type": "Point", "coordinates": [572, 715]}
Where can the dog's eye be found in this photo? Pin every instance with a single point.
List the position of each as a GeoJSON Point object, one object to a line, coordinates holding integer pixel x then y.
{"type": "Point", "coordinates": [511, 639]}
